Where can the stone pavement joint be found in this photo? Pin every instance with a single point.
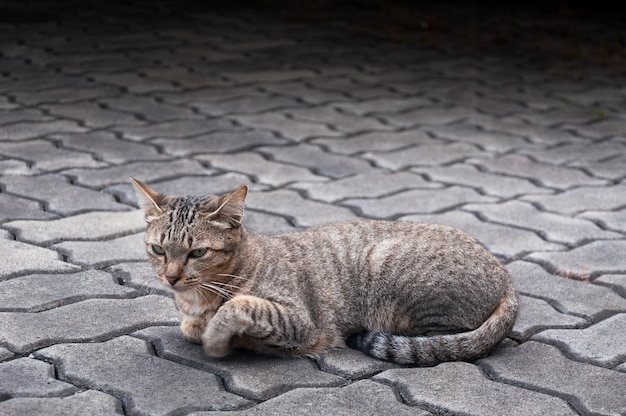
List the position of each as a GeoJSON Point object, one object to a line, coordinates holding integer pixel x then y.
{"type": "Point", "coordinates": [326, 117]}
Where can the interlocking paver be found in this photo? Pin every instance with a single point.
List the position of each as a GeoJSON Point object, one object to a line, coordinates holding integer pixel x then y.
{"type": "Point", "coordinates": [44, 156]}
{"type": "Point", "coordinates": [417, 201]}
{"type": "Point", "coordinates": [89, 320]}
{"type": "Point", "coordinates": [554, 227]}
{"type": "Point", "coordinates": [21, 258]}
{"type": "Point", "coordinates": [321, 162]}
{"type": "Point", "coordinates": [601, 344]}
{"type": "Point", "coordinates": [101, 253]}
{"type": "Point", "coordinates": [566, 295]}
{"type": "Point", "coordinates": [181, 388]}
{"type": "Point", "coordinates": [219, 141]}
{"type": "Point", "coordinates": [327, 113]}
{"type": "Point", "coordinates": [38, 292]}
{"type": "Point", "coordinates": [546, 174]}
{"type": "Point", "coordinates": [489, 184]}
{"type": "Point", "coordinates": [365, 185]}
{"type": "Point", "coordinates": [89, 226]}
{"type": "Point", "coordinates": [266, 171]}
{"type": "Point", "coordinates": [91, 402]}
{"type": "Point", "coordinates": [26, 377]}
{"type": "Point", "coordinates": [429, 154]}
{"type": "Point", "coordinates": [363, 397]}
{"type": "Point", "coordinates": [461, 388]}
{"type": "Point", "coordinates": [242, 373]}
{"type": "Point", "coordinates": [507, 242]}
{"type": "Point", "coordinates": [107, 147]}
{"type": "Point", "coordinates": [59, 195]}
{"type": "Point", "coordinates": [536, 315]}
{"type": "Point", "coordinates": [539, 366]}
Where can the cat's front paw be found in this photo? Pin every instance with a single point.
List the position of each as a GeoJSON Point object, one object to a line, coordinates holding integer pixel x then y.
{"type": "Point", "coordinates": [216, 346]}
{"type": "Point", "coordinates": [192, 331]}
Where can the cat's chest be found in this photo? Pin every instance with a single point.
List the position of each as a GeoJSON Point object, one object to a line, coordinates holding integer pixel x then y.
{"type": "Point", "coordinates": [194, 305]}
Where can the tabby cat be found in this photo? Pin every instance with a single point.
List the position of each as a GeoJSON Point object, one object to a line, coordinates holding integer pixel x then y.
{"type": "Point", "coordinates": [404, 292]}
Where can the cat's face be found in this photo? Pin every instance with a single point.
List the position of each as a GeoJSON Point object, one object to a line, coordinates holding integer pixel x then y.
{"type": "Point", "coordinates": [191, 240]}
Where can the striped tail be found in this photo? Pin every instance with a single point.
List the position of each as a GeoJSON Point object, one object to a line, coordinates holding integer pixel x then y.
{"type": "Point", "coordinates": [432, 350]}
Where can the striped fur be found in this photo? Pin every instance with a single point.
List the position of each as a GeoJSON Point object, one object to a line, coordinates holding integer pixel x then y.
{"type": "Point", "coordinates": [409, 293]}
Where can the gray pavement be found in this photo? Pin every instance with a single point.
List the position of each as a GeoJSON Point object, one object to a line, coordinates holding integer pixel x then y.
{"type": "Point", "coordinates": [325, 121]}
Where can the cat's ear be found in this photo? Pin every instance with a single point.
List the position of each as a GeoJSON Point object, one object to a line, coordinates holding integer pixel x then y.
{"type": "Point", "coordinates": [229, 213]}
{"type": "Point", "coordinates": [149, 199]}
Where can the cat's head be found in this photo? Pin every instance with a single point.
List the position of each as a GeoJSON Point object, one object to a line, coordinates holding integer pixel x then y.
{"type": "Point", "coordinates": [191, 240]}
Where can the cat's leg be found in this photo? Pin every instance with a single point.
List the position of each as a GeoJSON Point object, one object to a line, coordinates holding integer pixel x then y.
{"type": "Point", "coordinates": [193, 326]}
{"type": "Point", "coordinates": [268, 322]}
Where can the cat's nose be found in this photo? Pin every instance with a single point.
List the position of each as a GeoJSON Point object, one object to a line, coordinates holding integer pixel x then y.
{"type": "Point", "coordinates": [172, 279]}
{"type": "Point", "coordinates": [173, 273]}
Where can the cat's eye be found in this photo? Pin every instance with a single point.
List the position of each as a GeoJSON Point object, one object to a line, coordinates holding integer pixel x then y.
{"type": "Point", "coordinates": [199, 252]}
{"type": "Point", "coordinates": [158, 250]}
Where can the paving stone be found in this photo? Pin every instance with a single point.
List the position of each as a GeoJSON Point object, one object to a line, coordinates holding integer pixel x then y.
{"type": "Point", "coordinates": [321, 162]}
{"type": "Point", "coordinates": [93, 225]}
{"type": "Point", "coordinates": [89, 320]}
{"type": "Point", "coordinates": [616, 281]}
{"type": "Point", "coordinates": [148, 108]}
{"type": "Point", "coordinates": [173, 129]}
{"type": "Point", "coordinates": [589, 389]}
{"type": "Point", "coordinates": [209, 93]}
{"type": "Point", "coordinates": [102, 253]}
{"type": "Point", "coordinates": [490, 104]}
{"type": "Point", "coordinates": [417, 201]}
{"type": "Point", "coordinates": [5, 354]}
{"type": "Point", "coordinates": [375, 141]}
{"type": "Point", "coordinates": [59, 195]}
{"type": "Point", "coordinates": [352, 364]}
{"type": "Point", "coordinates": [591, 259]}
{"type": "Point", "coordinates": [268, 224]}
{"type": "Point", "coordinates": [14, 167]}
{"type": "Point", "coordinates": [304, 92]}
{"type": "Point", "coordinates": [38, 292]}
{"type": "Point", "coordinates": [577, 200]}
{"type": "Point", "coordinates": [506, 242]}
{"type": "Point", "coordinates": [490, 184]}
{"type": "Point", "coordinates": [289, 128]}
{"type": "Point", "coordinates": [26, 377]}
{"type": "Point", "coordinates": [64, 94]}
{"type": "Point", "coordinates": [554, 227]}
{"type": "Point", "coordinates": [601, 344]}
{"type": "Point", "coordinates": [613, 220]}
{"type": "Point", "coordinates": [109, 148]}
{"type": "Point", "coordinates": [565, 295]}
{"type": "Point", "coordinates": [582, 152]}
{"type": "Point", "coordinates": [134, 83]}
{"type": "Point", "coordinates": [365, 185]}
{"type": "Point", "coordinates": [428, 116]}
{"type": "Point", "coordinates": [604, 127]}
{"type": "Point", "coordinates": [91, 402]}
{"type": "Point", "coordinates": [487, 140]}
{"type": "Point", "coordinates": [461, 388]}
{"type": "Point", "coordinates": [146, 171]}
{"type": "Point", "coordinates": [536, 134]}
{"type": "Point", "coordinates": [350, 87]}
{"type": "Point", "coordinates": [244, 373]}
{"type": "Point", "coordinates": [83, 364]}
{"type": "Point", "coordinates": [613, 169]}
{"type": "Point", "coordinates": [382, 104]}
{"type": "Point", "coordinates": [13, 208]}
{"type": "Point", "coordinates": [265, 171]}
{"type": "Point", "coordinates": [430, 154]}
{"type": "Point", "coordinates": [246, 105]}
{"type": "Point", "coordinates": [338, 120]}
{"type": "Point", "coordinates": [268, 75]}
{"type": "Point", "coordinates": [139, 276]}
{"type": "Point", "coordinates": [536, 315]}
{"type": "Point", "coordinates": [363, 397]}
{"type": "Point", "coordinates": [31, 130]}
{"type": "Point", "coordinates": [22, 114]}
{"type": "Point", "coordinates": [92, 114]}
{"type": "Point", "coordinates": [21, 258]}
{"type": "Point", "coordinates": [563, 115]}
{"type": "Point", "coordinates": [45, 156]}
{"type": "Point", "coordinates": [545, 174]}
{"type": "Point", "coordinates": [218, 142]}
{"type": "Point", "coordinates": [305, 213]}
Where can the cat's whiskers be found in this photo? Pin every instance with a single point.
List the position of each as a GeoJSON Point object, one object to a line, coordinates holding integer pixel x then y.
{"type": "Point", "coordinates": [226, 294]}
{"type": "Point", "coordinates": [233, 276]}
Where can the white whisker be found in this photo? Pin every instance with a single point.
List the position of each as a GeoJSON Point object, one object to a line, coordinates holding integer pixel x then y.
{"type": "Point", "coordinates": [233, 276]}
{"type": "Point", "coordinates": [226, 294]}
